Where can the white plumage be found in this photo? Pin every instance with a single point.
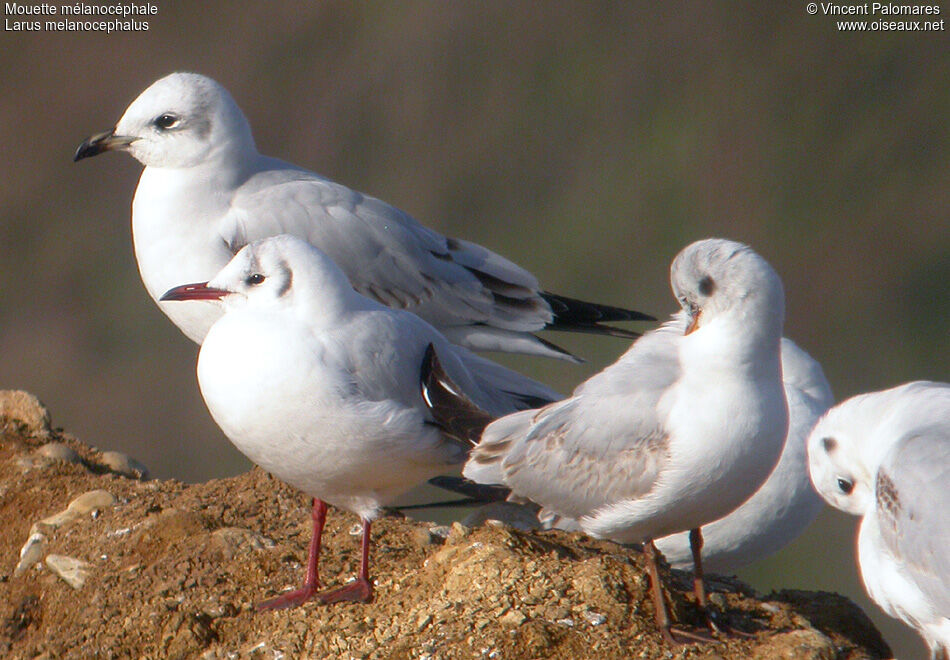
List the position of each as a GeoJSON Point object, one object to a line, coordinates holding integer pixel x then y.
{"type": "Point", "coordinates": [206, 192]}
{"type": "Point", "coordinates": [319, 385]}
{"type": "Point", "coordinates": [885, 456]}
{"type": "Point", "coordinates": [786, 503]}
{"type": "Point", "coordinates": [679, 431]}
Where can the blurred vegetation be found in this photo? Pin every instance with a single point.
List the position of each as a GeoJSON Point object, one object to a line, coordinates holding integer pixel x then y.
{"type": "Point", "coordinates": [586, 141]}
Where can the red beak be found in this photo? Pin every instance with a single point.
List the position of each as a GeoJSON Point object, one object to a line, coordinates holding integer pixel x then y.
{"type": "Point", "coordinates": [198, 291]}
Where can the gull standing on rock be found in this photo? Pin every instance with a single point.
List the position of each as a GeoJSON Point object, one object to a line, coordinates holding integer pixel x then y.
{"type": "Point", "coordinates": [676, 434]}
{"type": "Point", "coordinates": [206, 192]}
{"type": "Point", "coordinates": [318, 385]}
{"type": "Point", "coordinates": [786, 503]}
{"type": "Point", "coordinates": [885, 456]}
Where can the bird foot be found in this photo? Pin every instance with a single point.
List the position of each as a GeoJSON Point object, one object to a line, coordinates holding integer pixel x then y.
{"type": "Point", "coordinates": [679, 637]}
{"type": "Point", "coordinates": [360, 591]}
{"type": "Point", "coordinates": [294, 598]}
{"type": "Point", "coordinates": [723, 630]}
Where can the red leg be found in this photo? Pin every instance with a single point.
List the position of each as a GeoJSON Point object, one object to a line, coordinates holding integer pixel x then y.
{"type": "Point", "coordinates": [312, 582]}
{"type": "Point", "coordinates": [360, 591]}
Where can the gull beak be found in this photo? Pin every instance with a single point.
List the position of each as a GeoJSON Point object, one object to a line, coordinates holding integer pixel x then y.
{"type": "Point", "coordinates": [96, 144]}
{"type": "Point", "coordinates": [198, 291]}
{"type": "Point", "coordinates": [693, 323]}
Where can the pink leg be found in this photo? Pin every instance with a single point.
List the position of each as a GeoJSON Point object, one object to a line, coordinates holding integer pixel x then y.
{"type": "Point", "coordinates": [699, 587]}
{"type": "Point", "coordinates": [312, 583]}
{"type": "Point", "coordinates": [662, 615]}
{"type": "Point", "coordinates": [360, 591]}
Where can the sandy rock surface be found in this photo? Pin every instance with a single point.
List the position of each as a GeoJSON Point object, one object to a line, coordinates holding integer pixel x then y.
{"type": "Point", "coordinates": [162, 569]}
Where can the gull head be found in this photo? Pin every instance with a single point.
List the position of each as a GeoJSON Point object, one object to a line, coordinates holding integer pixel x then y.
{"type": "Point", "coordinates": [716, 277]}
{"type": "Point", "coordinates": [182, 120]}
{"type": "Point", "coordinates": [849, 443]}
{"type": "Point", "coordinates": [277, 272]}
{"type": "Point", "coordinates": [836, 464]}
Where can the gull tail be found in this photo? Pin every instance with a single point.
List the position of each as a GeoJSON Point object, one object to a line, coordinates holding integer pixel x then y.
{"type": "Point", "coordinates": [453, 412]}
{"type": "Point", "coordinates": [572, 315]}
{"type": "Point", "coordinates": [460, 418]}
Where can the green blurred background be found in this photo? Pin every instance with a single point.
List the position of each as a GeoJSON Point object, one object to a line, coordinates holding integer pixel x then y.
{"type": "Point", "coordinates": [588, 142]}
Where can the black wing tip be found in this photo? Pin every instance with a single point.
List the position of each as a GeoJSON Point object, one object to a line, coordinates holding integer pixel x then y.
{"type": "Point", "coordinates": [482, 493]}
{"type": "Point", "coordinates": [586, 316]}
{"type": "Point", "coordinates": [458, 416]}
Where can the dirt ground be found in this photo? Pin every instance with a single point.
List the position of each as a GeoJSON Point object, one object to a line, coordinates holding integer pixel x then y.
{"type": "Point", "coordinates": [172, 571]}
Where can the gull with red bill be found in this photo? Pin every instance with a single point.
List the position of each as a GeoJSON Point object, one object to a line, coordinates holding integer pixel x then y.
{"type": "Point", "coordinates": [318, 385]}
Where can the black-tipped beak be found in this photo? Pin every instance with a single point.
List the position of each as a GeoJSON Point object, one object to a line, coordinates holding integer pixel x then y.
{"type": "Point", "coordinates": [198, 291]}
{"type": "Point", "coordinates": [96, 144]}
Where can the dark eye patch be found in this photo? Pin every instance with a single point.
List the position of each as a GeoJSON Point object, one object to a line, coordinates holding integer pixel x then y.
{"type": "Point", "coordinates": [830, 444]}
{"type": "Point", "coordinates": [707, 285]}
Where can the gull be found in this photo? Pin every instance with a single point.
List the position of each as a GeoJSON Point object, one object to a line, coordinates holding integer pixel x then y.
{"type": "Point", "coordinates": [885, 456]}
{"type": "Point", "coordinates": [786, 503]}
{"type": "Point", "coordinates": [318, 385]}
{"type": "Point", "coordinates": [206, 192]}
{"type": "Point", "coordinates": [676, 434]}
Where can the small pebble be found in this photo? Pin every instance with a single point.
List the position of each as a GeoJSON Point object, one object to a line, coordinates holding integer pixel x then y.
{"type": "Point", "coordinates": [457, 533]}
{"type": "Point", "coordinates": [58, 451]}
{"type": "Point", "coordinates": [73, 571]}
{"type": "Point", "coordinates": [512, 618]}
{"type": "Point", "coordinates": [595, 618]}
{"type": "Point", "coordinates": [121, 464]}
{"type": "Point", "coordinates": [440, 531]}
{"type": "Point", "coordinates": [31, 552]}
{"type": "Point", "coordinates": [90, 501]}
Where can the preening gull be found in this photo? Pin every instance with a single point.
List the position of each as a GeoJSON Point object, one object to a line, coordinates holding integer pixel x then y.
{"type": "Point", "coordinates": [677, 433]}
{"type": "Point", "coordinates": [786, 503]}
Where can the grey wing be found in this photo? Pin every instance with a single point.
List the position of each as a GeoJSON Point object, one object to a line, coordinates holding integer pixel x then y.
{"type": "Point", "coordinates": [387, 254]}
{"type": "Point", "coordinates": [914, 509]}
{"type": "Point", "coordinates": [604, 444]}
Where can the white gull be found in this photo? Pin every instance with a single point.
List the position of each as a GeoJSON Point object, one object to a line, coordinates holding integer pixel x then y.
{"type": "Point", "coordinates": [318, 385]}
{"type": "Point", "coordinates": [885, 456]}
{"type": "Point", "coordinates": [786, 503]}
{"type": "Point", "coordinates": [206, 192]}
{"type": "Point", "coordinates": [677, 433]}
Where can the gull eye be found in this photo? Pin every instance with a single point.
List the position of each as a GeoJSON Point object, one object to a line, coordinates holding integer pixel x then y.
{"type": "Point", "coordinates": [255, 279]}
{"type": "Point", "coordinates": [707, 285]}
{"type": "Point", "coordinates": [845, 486]}
{"type": "Point", "coordinates": [166, 121]}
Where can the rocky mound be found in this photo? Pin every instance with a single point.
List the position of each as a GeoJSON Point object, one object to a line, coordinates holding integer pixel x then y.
{"type": "Point", "coordinates": [97, 562]}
